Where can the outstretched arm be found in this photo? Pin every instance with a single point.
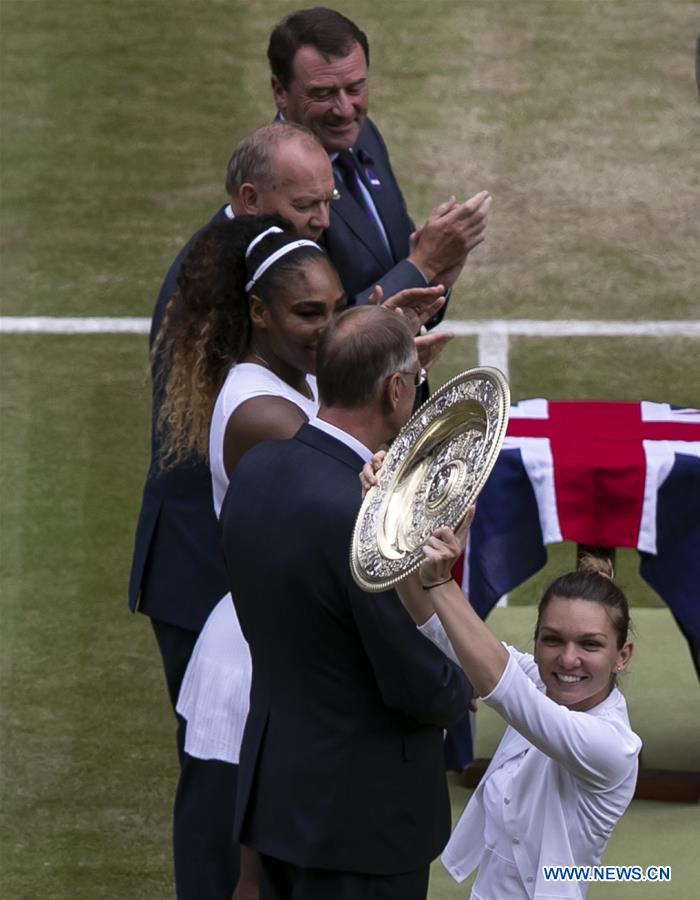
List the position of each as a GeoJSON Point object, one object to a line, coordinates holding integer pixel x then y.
{"type": "Point", "coordinates": [433, 590]}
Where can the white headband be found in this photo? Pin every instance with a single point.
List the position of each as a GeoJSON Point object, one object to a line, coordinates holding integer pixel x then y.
{"type": "Point", "coordinates": [273, 257]}
{"type": "Point", "coordinates": [274, 229]}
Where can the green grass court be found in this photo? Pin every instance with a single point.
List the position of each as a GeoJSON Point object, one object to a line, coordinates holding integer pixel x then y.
{"type": "Point", "coordinates": [580, 116]}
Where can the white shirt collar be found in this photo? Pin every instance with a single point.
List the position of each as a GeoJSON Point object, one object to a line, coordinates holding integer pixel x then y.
{"type": "Point", "coordinates": [363, 452]}
{"type": "Point", "coordinates": [229, 212]}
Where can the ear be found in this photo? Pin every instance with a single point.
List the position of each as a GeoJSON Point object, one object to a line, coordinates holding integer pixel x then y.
{"type": "Point", "coordinates": [624, 656]}
{"type": "Point", "coordinates": [279, 93]}
{"type": "Point", "coordinates": [257, 311]}
{"type": "Point", "coordinates": [392, 391]}
{"type": "Point", "coordinates": [248, 198]}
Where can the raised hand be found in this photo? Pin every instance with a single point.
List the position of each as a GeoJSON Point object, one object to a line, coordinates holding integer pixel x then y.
{"type": "Point", "coordinates": [452, 230]}
{"type": "Point", "coordinates": [442, 550]}
{"type": "Point", "coordinates": [417, 305]}
{"type": "Point", "coordinates": [430, 346]}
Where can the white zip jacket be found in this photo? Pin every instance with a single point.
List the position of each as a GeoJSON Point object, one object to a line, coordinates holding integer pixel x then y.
{"type": "Point", "coordinates": [572, 787]}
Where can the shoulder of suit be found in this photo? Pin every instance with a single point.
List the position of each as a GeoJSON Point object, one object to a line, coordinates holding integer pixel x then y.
{"type": "Point", "coordinates": [369, 134]}
{"type": "Point", "coordinates": [321, 441]}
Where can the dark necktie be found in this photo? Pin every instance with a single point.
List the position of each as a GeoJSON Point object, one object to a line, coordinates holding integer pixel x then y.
{"type": "Point", "coordinates": [347, 165]}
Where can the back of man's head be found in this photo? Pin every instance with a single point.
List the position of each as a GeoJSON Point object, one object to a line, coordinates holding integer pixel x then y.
{"type": "Point", "coordinates": [329, 32]}
{"type": "Point", "coordinates": [253, 159]}
{"type": "Point", "coordinates": [359, 350]}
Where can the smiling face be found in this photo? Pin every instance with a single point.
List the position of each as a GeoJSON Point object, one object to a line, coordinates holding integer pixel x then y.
{"type": "Point", "coordinates": [577, 654]}
{"type": "Point", "coordinates": [288, 328]}
{"type": "Point", "coordinates": [328, 96]}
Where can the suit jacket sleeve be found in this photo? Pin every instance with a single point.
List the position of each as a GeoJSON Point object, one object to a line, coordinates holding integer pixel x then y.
{"type": "Point", "coordinates": [413, 676]}
{"type": "Point", "coordinates": [404, 275]}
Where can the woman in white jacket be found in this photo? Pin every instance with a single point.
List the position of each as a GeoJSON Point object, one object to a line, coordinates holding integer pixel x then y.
{"type": "Point", "coordinates": [566, 768]}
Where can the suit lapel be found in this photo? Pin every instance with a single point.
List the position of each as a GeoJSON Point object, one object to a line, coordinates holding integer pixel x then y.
{"type": "Point", "coordinates": [357, 221]}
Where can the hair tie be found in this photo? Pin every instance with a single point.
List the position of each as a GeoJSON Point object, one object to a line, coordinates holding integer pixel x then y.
{"type": "Point", "coordinates": [589, 564]}
{"type": "Point", "coordinates": [273, 257]}
{"type": "Point", "coordinates": [274, 229]}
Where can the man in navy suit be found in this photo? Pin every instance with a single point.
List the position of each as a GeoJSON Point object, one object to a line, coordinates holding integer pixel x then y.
{"type": "Point", "coordinates": [319, 61]}
{"type": "Point", "coordinates": [342, 789]}
{"type": "Point", "coordinates": [177, 573]}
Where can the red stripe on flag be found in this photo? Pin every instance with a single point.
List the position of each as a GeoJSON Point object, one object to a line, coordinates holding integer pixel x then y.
{"type": "Point", "coordinates": [599, 466]}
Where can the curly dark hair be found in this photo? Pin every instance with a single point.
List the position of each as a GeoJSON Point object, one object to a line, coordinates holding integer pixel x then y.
{"type": "Point", "coordinates": [206, 327]}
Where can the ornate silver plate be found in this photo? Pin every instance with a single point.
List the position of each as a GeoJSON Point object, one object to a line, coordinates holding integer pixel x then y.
{"type": "Point", "coordinates": [432, 473]}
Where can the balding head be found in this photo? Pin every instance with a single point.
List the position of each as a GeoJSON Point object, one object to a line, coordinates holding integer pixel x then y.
{"type": "Point", "coordinates": [281, 169]}
{"type": "Point", "coordinates": [358, 352]}
{"type": "Point", "coordinates": [252, 159]}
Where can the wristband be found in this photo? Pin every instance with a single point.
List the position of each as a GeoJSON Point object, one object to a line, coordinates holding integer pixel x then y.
{"type": "Point", "coordinates": [427, 587]}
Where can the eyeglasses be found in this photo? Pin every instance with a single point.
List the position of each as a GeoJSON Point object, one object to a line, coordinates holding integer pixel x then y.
{"type": "Point", "coordinates": [419, 377]}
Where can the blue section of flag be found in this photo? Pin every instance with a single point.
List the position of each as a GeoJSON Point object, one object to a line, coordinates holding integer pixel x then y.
{"type": "Point", "coordinates": [506, 545]}
{"type": "Point", "coordinates": [674, 572]}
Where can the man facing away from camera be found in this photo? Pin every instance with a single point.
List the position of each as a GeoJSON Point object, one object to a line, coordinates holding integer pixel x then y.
{"type": "Point", "coordinates": [342, 788]}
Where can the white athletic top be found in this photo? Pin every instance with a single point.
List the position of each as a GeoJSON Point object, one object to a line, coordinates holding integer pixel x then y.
{"type": "Point", "coordinates": [215, 691]}
{"type": "Point", "coordinates": [243, 382]}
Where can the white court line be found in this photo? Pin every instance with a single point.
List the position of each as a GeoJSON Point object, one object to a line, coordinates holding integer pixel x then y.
{"type": "Point", "coordinates": [492, 334]}
{"type": "Point", "coordinates": [573, 327]}
{"type": "Point", "coordinates": [67, 325]}
{"type": "Point", "coordinates": [486, 327]}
